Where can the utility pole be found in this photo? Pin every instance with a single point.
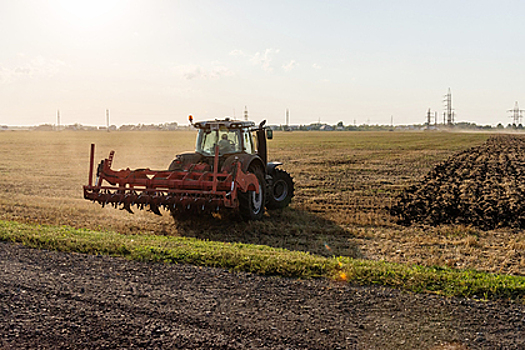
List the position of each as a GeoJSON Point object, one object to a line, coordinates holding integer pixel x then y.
{"type": "Point", "coordinates": [287, 118]}
{"type": "Point", "coordinates": [436, 119]}
{"type": "Point", "coordinates": [107, 119]}
{"type": "Point", "coordinates": [449, 111]}
{"type": "Point", "coordinates": [429, 113]}
{"type": "Point", "coordinates": [245, 113]}
{"type": "Point", "coordinates": [516, 114]}
{"type": "Point", "coordinates": [58, 119]}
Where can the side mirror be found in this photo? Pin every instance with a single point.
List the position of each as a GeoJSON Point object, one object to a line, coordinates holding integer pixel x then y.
{"type": "Point", "coordinates": [269, 134]}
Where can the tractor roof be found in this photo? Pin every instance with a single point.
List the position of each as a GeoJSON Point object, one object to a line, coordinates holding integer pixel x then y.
{"type": "Point", "coordinates": [225, 123]}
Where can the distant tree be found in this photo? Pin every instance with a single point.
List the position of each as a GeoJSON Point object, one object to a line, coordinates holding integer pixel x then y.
{"type": "Point", "coordinates": [500, 126]}
{"type": "Point", "coordinates": [45, 127]}
{"type": "Point", "coordinates": [170, 126]}
{"type": "Point", "coordinates": [126, 127]}
{"type": "Point", "coordinates": [314, 126]}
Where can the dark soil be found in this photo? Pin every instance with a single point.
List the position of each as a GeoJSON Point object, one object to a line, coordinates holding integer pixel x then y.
{"type": "Point", "coordinates": [53, 300]}
{"type": "Point", "coordinates": [482, 186]}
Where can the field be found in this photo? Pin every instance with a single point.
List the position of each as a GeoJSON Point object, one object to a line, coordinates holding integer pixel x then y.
{"type": "Point", "coordinates": [345, 184]}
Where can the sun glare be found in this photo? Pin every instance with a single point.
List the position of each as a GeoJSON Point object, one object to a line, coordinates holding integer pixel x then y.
{"type": "Point", "coordinates": [89, 14]}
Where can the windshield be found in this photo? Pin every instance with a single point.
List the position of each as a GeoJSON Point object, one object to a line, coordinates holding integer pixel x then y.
{"type": "Point", "coordinates": [228, 141]}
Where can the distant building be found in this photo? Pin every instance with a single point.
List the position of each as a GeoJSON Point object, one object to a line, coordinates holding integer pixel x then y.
{"type": "Point", "coordinates": [326, 128]}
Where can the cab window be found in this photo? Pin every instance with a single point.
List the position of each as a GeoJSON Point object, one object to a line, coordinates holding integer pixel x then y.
{"type": "Point", "coordinates": [228, 141]}
{"type": "Point", "coordinates": [248, 143]}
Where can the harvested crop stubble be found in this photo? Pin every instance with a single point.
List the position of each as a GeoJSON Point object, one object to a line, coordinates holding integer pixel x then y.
{"type": "Point", "coordinates": [483, 186]}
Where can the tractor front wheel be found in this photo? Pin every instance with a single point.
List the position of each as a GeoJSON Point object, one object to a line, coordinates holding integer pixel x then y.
{"type": "Point", "coordinates": [251, 204]}
{"type": "Point", "coordinates": [281, 190]}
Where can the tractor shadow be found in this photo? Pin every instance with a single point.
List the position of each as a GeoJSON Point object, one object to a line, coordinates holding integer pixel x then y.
{"type": "Point", "coordinates": [290, 229]}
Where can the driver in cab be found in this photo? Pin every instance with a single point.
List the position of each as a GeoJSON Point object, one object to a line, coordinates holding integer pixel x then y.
{"type": "Point", "coordinates": [225, 145]}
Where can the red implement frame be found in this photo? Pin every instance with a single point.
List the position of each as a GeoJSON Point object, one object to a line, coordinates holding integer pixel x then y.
{"type": "Point", "coordinates": [174, 190]}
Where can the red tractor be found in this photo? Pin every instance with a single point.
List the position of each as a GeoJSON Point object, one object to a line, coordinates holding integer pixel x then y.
{"type": "Point", "coordinates": [229, 169]}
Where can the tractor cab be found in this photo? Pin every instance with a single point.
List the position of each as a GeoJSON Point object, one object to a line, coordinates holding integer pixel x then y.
{"type": "Point", "coordinates": [231, 137]}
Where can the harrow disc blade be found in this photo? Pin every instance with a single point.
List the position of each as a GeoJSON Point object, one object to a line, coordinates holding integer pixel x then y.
{"type": "Point", "coordinates": [155, 209]}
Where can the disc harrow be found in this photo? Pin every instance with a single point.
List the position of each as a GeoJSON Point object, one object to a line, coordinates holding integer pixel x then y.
{"type": "Point", "coordinates": [205, 189]}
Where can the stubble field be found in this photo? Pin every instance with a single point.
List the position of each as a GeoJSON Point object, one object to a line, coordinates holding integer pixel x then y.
{"type": "Point", "coordinates": [345, 184]}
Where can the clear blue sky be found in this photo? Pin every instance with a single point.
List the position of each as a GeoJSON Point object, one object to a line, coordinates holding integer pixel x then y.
{"type": "Point", "coordinates": [159, 61]}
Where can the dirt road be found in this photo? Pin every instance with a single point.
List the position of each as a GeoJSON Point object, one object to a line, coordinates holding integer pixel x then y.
{"type": "Point", "coordinates": [51, 300]}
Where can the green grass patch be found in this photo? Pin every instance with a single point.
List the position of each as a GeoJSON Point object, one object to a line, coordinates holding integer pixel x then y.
{"type": "Point", "coordinates": [265, 260]}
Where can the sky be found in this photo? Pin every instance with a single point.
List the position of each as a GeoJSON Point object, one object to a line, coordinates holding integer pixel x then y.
{"type": "Point", "coordinates": [362, 62]}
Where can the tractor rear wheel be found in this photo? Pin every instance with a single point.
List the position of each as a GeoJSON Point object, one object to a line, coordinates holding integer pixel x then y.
{"type": "Point", "coordinates": [281, 191]}
{"type": "Point", "coordinates": [251, 204]}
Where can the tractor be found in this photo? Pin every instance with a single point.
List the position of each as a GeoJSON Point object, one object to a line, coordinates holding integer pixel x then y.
{"type": "Point", "coordinates": [228, 170]}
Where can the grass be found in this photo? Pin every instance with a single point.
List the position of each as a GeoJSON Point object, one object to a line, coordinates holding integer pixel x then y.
{"type": "Point", "coordinates": [266, 260]}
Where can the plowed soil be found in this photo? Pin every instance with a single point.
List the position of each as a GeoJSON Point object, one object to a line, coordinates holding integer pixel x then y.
{"type": "Point", "coordinates": [483, 186]}
{"type": "Point", "coordinates": [52, 300]}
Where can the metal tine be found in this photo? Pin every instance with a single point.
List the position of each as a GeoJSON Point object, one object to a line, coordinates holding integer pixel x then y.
{"type": "Point", "coordinates": [127, 208]}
